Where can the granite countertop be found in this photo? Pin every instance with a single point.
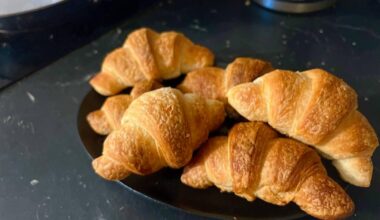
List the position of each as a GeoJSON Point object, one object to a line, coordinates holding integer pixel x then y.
{"type": "Point", "coordinates": [45, 172]}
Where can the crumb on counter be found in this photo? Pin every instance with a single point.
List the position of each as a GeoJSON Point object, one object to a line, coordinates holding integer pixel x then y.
{"type": "Point", "coordinates": [34, 182]}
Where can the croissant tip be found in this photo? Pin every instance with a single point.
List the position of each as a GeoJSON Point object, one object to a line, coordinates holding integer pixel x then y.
{"type": "Point", "coordinates": [109, 169]}
{"type": "Point", "coordinates": [98, 122]}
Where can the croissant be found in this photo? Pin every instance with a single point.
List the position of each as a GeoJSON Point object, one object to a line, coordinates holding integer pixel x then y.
{"type": "Point", "coordinates": [108, 117]}
{"type": "Point", "coordinates": [254, 162]}
{"type": "Point", "coordinates": [316, 108]}
{"type": "Point", "coordinates": [160, 128]}
{"type": "Point", "coordinates": [147, 54]}
{"type": "Point", "coordinates": [213, 82]}
{"type": "Point", "coordinates": [143, 87]}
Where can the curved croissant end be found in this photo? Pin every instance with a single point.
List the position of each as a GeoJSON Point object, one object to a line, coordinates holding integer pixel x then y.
{"type": "Point", "coordinates": [323, 198]}
{"type": "Point", "coordinates": [108, 117]}
{"type": "Point", "coordinates": [109, 169]}
{"type": "Point", "coordinates": [99, 122]}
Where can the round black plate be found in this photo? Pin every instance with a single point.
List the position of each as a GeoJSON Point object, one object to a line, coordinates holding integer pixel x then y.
{"type": "Point", "coordinates": [165, 186]}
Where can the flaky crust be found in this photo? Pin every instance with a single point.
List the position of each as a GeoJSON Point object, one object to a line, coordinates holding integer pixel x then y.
{"type": "Point", "coordinates": [108, 117]}
{"type": "Point", "coordinates": [316, 108]}
{"type": "Point", "coordinates": [254, 162]}
{"type": "Point", "coordinates": [144, 86]}
{"type": "Point", "coordinates": [213, 82]}
{"type": "Point", "coordinates": [160, 128]}
{"type": "Point", "coordinates": [149, 55]}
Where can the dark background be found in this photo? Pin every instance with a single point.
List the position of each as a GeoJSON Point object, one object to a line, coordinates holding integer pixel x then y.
{"type": "Point", "coordinates": [45, 171]}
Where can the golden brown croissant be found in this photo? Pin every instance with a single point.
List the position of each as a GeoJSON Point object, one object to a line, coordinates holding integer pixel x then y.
{"type": "Point", "coordinates": [108, 117]}
{"type": "Point", "coordinates": [160, 128]}
{"type": "Point", "coordinates": [254, 162]}
{"type": "Point", "coordinates": [213, 82]}
{"type": "Point", "coordinates": [316, 108]}
{"type": "Point", "coordinates": [147, 54]}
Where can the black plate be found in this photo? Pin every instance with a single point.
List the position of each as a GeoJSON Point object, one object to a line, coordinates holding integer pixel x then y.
{"type": "Point", "coordinates": [165, 186]}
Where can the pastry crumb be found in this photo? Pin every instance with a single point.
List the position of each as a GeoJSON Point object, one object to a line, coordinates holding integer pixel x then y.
{"type": "Point", "coordinates": [31, 97]}
{"type": "Point", "coordinates": [228, 43]}
{"type": "Point", "coordinates": [34, 182]}
{"type": "Point", "coordinates": [197, 27]}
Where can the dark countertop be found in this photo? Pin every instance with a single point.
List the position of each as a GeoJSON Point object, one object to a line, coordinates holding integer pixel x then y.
{"type": "Point", "coordinates": [45, 172]}
{"type": "Point", "coordinates": [34, 39]}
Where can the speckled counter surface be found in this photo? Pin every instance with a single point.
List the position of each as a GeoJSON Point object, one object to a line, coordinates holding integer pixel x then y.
{"type": "Point", "coordinates": [45, 172]}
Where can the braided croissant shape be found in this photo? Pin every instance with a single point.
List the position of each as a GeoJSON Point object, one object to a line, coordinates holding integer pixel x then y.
{"type": "Point", "coordinates": [316, 108]}
{"type": "Point", "coordinates": [108, 117]}
{"type": "Point", "coordinates": [254, 162]}
{"type": "Point", "coordinates": [213, 82]}
{"type": "Point", "coordinates": [149, 55]}
{"type": "Point", "coordinates": [160, 128]}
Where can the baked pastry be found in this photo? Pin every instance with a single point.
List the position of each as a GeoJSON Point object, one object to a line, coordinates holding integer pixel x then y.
{"type": "Point", "coordinates": [254, 162]}
{"type": "Point", "coordinates": [316, 108]}
{"type": "Point", "coordinates": [160, 129]}
{"type": "Point", "coordinates": [143, 87]}
{"type": "Point", "coordinates": [149, 55]}
{"type": "Point", "coordinates": [108, 117]}
{"type": "Point", "coordinates": [214, 82]}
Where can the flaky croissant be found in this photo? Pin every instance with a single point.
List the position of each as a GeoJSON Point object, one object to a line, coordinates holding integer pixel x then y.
{"type": "Point", "coordinates": [214, 82]}
{"type": "Point", "coordinates": [108, 117]}
{"type": "Point", "coordinates": [316, 108]}
{"type": "Point", "coordinates": [160, 128]}
{"type": "Point", "coordinates": [149, 55]}
{"type": "Point", "coordinates": [254, 162]}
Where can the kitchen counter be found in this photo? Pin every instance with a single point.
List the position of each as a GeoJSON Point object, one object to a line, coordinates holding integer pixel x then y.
{"type": "Point", "coordinates": [45, 172]}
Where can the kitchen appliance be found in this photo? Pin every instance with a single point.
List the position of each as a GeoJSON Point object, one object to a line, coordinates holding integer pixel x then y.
{"type": "Point", "coordinates": [296, 6]}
